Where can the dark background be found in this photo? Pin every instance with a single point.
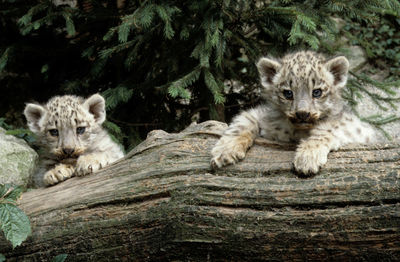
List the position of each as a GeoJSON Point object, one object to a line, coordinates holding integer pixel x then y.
{"type": "Point", "coordinates": [164, 64]}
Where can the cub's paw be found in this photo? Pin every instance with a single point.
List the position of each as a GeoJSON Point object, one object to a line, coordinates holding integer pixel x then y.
{"type": "Point", "coordinates": [308, 161]}
{"type": "Point", "coordinates": [58, 174]}
{"type": "Point", "coordinates": [228, 151]}
{"type": "Point", "coordinates": [88, 164]}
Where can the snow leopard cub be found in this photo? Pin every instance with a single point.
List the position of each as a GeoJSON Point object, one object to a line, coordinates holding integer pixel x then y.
{"type": "Point", "coordinates": [72, 140]}
{"type": "Point", "coordinates": [303, 105]}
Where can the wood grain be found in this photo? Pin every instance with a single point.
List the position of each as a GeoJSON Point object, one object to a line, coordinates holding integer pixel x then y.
{"type": "Point", "coordinates": [163, 202]}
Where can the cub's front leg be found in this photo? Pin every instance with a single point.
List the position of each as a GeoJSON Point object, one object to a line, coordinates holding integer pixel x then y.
{"type": "Point", "coordinates": [58, 174]}
{"type": "Point", "coordinates": [90, 163]}
{"type": "Point", "coordinates": [231, 149]}
{"type": "Point", "coordinates": [237, 139]}
{"type": "Point", "coordinates": [311, 155]}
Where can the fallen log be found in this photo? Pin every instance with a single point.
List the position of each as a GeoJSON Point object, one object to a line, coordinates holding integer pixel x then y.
{"type": "Point", "coordinates": [163, 202]}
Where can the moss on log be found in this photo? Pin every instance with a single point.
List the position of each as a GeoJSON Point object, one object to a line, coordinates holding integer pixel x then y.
{"type": "Point", "coordinates": [163, 202]}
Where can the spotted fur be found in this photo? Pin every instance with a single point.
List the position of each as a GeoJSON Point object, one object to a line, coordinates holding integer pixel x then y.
{"type": "Point", "coordinates": [303, 104]}
{"type": "Point", "coordinates": [71, 137]}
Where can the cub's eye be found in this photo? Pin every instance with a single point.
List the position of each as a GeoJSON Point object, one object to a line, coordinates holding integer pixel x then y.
{"type": "Point", "coordinates": [317, 93]}
{"type": "Point", "coordinates": [80, 130]}
{"type": "Point", "coordinates": [53, 132]}
{"type": "Point", "coordinates": [288, 94]}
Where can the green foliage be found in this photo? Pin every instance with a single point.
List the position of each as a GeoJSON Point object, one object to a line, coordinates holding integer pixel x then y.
{"type": "Point", "coordinates": [115, 132]}
{"type": "Point", "coordinates": [3, 123]}
{"type": "Point", "coordinates": [10, 193]}
{"type": "Point", "coordinates": [162, 63]}
{"type": "Point", "coordinates": [13, 221]}
{"type": "Point", "coordinates": [215, 86]}
{"type": "Point", "coordinates": [29, 24]}
{"type": "Point", "coordinates": [22, 133]}
{"type": "Point", "coordinates": [60, 258]}
{"type": "Point", "coordinates": [178, 87]}
{"type": "Point", "coordinates": [4, 58]}
{"type": "Point", "coordinates": [115, 96]}
{"type": "Point", "coordinates": [380, 40]}
{"type": "Point", "coordinates": [2, 258]}
{"type": "Point", "coordinates": [356, 90]}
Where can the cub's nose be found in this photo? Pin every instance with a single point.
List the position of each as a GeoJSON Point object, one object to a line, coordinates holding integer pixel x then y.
{"type": "Point", "coordinates": [68, 151]}
{"type": "Point", "coordinates": [303, 115]}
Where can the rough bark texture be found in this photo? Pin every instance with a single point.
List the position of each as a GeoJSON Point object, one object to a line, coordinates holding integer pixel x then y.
{"type": "Point", "coordinates": [163, 202]}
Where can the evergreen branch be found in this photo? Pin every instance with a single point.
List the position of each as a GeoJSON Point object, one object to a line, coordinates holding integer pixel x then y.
{"type": "Point", "coordinates": [377, 121]}
{"type": "Point", "coordinates": [144, 16]}
{"type": "Point", "coordinates": [27, 18]}
{"type": "Point", "coordinates": [116, 96]}
{"type": "Point", "coordinates": [220, 51]}
{"type": "Point", "coordinates": [161, 40]}
{"type": "Point", "coordinates": [166, 13]}
{"type": "Point", "coordinates": [115, 49]}
{"type": "Point", "coordinates": [69, 24]}
{"type": "Point", "coordinates": [178, 87]}
{"type": "Point", "coordinates": [202, 53]}
{"type": "Point", "coordinates": [123, 32]}
{"type": "Point", "coordinates": [312, 41]}
{"type": "Point", "coordinates": [38, 23]}
{"type": "Point", "coordinates": [214, 87]}
{"type": "Point", "coordinates": [111, 32]}
{"type": "Point", "coordinates": [216, 35]}
{"type": "Point", "coordinates": [386, 87]}
{"type": "Point", "coordinates": [88, 52]}
{"type": "Point", "coordinates": [98, 66]}
{"type": "Point", "coordinates": [280, 11]}
{"type": "Point", "coordinates": [134, 52]}
{"type": "Point", "coordinates": [307, 22]}
{"type": "Point", "coordinates": [185, 33]}
{"type": "Point", "coordinates": [252, 50]}
{"type": "Point", "coordinates": [374, 97]}
{"type": "Point", "coordinates": [295, 33]}
{"type": "Point", "coordinates": [140, 18]}
{"type": "Point", "coordinates": [4, 58]}
{"type": "Point", "coordinates": [388, 7]}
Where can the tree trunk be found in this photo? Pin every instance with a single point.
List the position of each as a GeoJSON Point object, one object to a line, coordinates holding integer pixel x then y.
{"type": "Point", "coordinates": [163, 202]}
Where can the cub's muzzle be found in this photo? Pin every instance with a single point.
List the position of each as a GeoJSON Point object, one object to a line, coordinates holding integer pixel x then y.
{"type": "Point", "coordinates": [303, 120]}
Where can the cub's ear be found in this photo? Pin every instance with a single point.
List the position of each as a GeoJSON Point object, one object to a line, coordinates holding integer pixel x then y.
{"type": "Point", "coordinates": [268, 69]}
{"type": "Point", "coordinates": [96, 106]}
{"type": "Point", "coordinates": [34, 114]}
{"type": "Point", "coordinates": [338, 67]}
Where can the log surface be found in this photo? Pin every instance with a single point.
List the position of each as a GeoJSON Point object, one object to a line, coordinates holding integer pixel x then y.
{"type": "Point", "coordinates": [163, 202]}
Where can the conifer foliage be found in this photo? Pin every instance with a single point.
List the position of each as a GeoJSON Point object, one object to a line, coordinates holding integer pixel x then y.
{"type": "Point", "coordinates": [158, 63]}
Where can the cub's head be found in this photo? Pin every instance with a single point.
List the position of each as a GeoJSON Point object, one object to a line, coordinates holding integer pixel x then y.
{"type": "Point", "coordinates": [304, 86]}
{"type": "Point", "coordinates": [67, 125]}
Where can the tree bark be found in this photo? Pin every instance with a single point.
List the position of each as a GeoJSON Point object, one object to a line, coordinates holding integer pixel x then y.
{"type": "Point", "coordinates": [163, 202]}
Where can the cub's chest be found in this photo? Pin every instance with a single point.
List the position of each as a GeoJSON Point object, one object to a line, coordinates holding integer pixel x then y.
{"type": "Point", "coordinates": [282, 131]}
